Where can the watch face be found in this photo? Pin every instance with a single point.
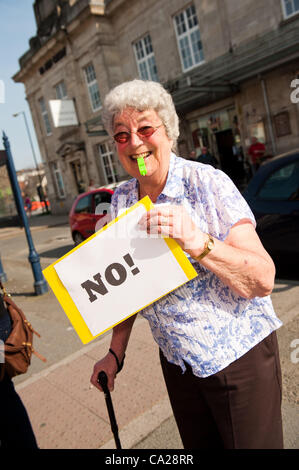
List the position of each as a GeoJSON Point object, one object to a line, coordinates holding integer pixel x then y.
{"type": "Point", "coordinates": [210, 245]}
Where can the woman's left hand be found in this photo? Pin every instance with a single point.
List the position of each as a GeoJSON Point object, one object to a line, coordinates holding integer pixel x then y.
{"type": "Point", "coordinates": [175, 222]}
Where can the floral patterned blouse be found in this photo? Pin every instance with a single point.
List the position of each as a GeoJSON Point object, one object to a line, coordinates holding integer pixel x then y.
{"type": "Point", "coordinates": [203, 322]}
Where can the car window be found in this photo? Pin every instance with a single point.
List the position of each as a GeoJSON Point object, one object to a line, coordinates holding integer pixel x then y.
{"type": "Point", "coordinates": [83, 205]}
{"type": "Point", "coordinates": [102, 197]}
{"type": "Point", "coordinates": [282, 184]}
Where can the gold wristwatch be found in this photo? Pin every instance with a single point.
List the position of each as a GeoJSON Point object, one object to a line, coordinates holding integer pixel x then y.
{"type": "Point", "coordinates": [209, 245]}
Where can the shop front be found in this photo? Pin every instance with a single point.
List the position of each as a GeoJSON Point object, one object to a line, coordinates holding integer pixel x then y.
{"type": "Point", "coordinates": [219, 131]}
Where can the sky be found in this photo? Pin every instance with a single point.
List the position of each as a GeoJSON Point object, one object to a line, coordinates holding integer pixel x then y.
{"type": "Point", "coordinates": [17, 26]}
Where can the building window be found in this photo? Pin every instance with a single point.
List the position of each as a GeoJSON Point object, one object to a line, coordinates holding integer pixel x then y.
{"type": "Point", "coordinates": [60, 89]}
{"type": "Point", "coordinates": [59, 181]}
{"type": "Point", "coordinates": [290, 7]}
{"type": "Point", "coordinates": [108, 164]}
{"type": "Point", "coordinates": [93, 88]}
{"type": "Point", "coordinates": [188, 37]}
{"type": "Point", "coordinates": [45, 116]}
{"type": "Point", "coordinates": [145, 59]}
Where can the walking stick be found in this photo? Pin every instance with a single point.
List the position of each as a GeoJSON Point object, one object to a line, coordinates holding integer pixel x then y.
{"type": "Point", "coordinates": [102, 380]}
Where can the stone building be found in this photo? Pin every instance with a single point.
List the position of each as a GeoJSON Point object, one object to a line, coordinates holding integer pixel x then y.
{"type": "Point", "coordinates": [231, 67]}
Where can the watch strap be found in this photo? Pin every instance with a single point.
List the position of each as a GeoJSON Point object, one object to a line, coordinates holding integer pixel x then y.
{"type": "Point", "coordinates": [209, 245]}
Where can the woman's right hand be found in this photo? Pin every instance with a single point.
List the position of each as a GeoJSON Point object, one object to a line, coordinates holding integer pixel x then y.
{"type": "Point", "coordinates": [109, 366]}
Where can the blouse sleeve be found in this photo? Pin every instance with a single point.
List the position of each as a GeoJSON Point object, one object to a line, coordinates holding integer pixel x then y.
{"type": "Point", "coordinates": [225, 206]}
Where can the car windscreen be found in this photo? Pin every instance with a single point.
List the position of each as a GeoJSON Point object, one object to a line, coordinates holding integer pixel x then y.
{"type": "Point", "coordinates": [282, 184]}
{"type": "Point", "coordinates": [83, 205]}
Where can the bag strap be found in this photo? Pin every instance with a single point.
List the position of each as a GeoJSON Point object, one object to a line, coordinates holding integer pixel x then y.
{"type": "Point", "coordinates": [3, 289]}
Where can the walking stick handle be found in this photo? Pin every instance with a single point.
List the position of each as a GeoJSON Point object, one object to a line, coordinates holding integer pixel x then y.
{"type": "Point", "coordinates": [103, 381]}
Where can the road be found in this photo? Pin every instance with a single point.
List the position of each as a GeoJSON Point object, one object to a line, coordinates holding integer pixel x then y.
{"type": "Point", "coordinates": [51, 243]}
{"type": "Point", "coordinates": [59, 340]}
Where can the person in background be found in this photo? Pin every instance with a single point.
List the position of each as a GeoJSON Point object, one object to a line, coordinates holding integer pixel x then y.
{"type": "Point", "coordinates": [91, 185]}
{"type": "Point", "coordinates": [192, 155]}
{"type": "Point", "coordinates": [43, 198]}
{"type": "Point", "coordinates": [207, 158]}
{"type": "Point", "coordinates": [217, 332]}
{"type": "Point", "coordinates": [256, 152]}
{"type": "Point", "coordinates": [28, 205]}
{"type": "Point", "coordinates": [81, 187]}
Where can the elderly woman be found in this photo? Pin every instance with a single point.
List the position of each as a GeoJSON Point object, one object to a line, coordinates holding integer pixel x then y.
{"type": "Point", "coordinates": [216, 333]}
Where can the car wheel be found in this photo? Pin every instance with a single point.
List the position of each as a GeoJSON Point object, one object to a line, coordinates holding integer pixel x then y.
{"type": "Point", "coordinates": [78, 238]}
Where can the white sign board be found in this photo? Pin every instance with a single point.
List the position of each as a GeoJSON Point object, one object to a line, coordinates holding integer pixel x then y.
{"type": "Point", "coordinates": [119, 271]}
{"type": "Point", "coordinates": [63, 113]}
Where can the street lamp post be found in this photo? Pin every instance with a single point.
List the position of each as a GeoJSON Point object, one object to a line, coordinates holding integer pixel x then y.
{"type": "Point", "coordinates": [40, 284]}
{"type": "Point", "coordinates": [33, 153]}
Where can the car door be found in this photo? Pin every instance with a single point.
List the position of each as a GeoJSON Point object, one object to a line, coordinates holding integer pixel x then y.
{"type": "Point", "coordinates": [278, 228]}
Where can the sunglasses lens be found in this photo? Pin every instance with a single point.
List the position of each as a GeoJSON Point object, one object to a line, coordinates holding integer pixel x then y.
{"type": "Point", "coordinates": [122, 137]}
{"type": "Point", "coordinates": [146, 131]}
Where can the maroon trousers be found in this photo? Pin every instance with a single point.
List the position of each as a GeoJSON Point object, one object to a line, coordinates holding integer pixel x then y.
{"type": "Point", "coordinates": [237, 408]}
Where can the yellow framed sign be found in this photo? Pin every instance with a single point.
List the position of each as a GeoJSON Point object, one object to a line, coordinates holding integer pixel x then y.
{"type": "Point", "coordinates": [115, 273]}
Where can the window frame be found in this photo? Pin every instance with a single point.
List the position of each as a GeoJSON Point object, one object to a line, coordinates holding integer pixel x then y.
{"type": "Point", "coordinates": [145, 61]}
{"type": "Point", "coordinates": [111, 164]}
{"type": "Point", "coordinates": [59, 95]}
{"type": "Point", "coordinates": [89, 84]}
{"type": "Point", "coordinates": [58, 174]}
{"type": "Point", "coordinates": [284, 9]}
{"type": "Point", "coordinates": [45, 116]}
{"type": "Point", "coordinates": [188, 35]}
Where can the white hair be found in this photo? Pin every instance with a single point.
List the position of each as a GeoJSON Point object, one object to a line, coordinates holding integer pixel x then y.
{"type": "Point", "coordinates": [142, 95]}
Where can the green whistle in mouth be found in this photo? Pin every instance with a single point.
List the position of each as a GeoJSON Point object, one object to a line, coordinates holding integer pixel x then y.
{"type": "Point", "coordinates": [141, 166]}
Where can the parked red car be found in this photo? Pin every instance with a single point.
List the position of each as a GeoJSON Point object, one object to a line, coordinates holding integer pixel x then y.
{"type": "Point", "coordinates": [83, 215]}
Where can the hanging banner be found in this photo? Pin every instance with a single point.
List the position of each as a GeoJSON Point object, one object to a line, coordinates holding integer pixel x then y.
{"type": "Point", "coordinates": [115, 273]}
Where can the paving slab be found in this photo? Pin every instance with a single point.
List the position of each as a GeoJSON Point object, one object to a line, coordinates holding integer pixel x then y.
{"type": "Point", "coordinates": [67, 412]}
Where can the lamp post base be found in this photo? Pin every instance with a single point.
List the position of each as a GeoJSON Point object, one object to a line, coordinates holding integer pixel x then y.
{"type": "Point", "coordinates": [40, 283]}
{"type": "Point", "coordinates": [3, 277]}
{"type": "Point", "coordinates": [40, 287]}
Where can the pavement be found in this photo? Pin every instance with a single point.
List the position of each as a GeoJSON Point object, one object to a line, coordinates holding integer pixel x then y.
{"type": "Point", "coordinates": [68, 413]}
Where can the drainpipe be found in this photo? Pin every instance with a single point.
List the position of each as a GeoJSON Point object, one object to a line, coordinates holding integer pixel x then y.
{"type": "Point", "coordinates": [270, 127]}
